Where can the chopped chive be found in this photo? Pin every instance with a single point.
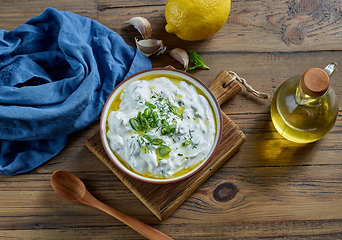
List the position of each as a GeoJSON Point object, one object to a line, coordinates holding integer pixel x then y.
{"type": "Point", "coordinates": [157, 141]}
{"type": "Point", "coordinates": [164, 150]}
{"type": "Point", "coordinates": [155, 116]}
{"type": "Point", "coordinates": [135, 124]}
{"type": "Point", "coordinates": [150, 105]}
{"type": "Point", "coordinates": [144, 123]}
{"type": "Point", "coordinates": [144, 149]}
{"type": "Point", "coordinates": [168, 129]}
{"type": "Point", "coordinates": [186, 143]}
{"type": "Point", "coordinates": [176, 111]}
{"type": "Point", "coordinates": [148, 138]}
{"type": "Point", "coordinates": [147, 112]}
{"type": "Point", "coordinates": [163, 122]}
{"type": "Point", "coordinates": [150, 120]}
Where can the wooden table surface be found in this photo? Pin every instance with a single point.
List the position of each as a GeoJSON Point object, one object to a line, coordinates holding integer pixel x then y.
{"type": "Point", "coordinates": [275, 189]}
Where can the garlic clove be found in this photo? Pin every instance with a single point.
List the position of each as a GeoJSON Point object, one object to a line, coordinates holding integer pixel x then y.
{"type": "Point", "coordinates": [142, 25]}
{"type": "Point", "coordinates": [149, 47]}
{"type": "Point", "coordinates": [181, 56]}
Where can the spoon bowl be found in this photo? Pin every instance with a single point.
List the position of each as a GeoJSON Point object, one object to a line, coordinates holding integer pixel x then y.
{"type": "Point", "coordinates": [68, 186]}
{"type": "Point", "coordinates": [71, 188]}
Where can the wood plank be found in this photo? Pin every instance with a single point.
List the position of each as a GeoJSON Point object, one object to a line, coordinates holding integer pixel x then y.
{"type": "Point", "coordinates": [17, 12]}
{"type": "Point", "coordinates": [108, 5]}
{"type": "Point", "coordinates": [263, 194]}
{"type": "Point", "coordinates": [283, 26]}
{"type": "Point", "coordinates": [314, 230]}
{"type": "Point", "coordinates": [303, 201]}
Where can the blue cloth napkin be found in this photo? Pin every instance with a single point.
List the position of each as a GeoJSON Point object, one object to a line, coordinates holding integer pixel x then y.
{"type": "Point", "coordinates": [56, 72]}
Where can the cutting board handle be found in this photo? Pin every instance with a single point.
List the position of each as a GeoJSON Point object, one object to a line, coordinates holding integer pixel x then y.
{"type": "Point", "coordinates": [224, 87]}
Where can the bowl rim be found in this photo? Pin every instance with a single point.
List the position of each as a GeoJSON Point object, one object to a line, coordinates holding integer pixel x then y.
{"type": "Point", "coordinates": [118, 164]}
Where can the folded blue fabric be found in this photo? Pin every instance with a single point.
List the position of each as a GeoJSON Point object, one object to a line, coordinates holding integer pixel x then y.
{"type": "Point", "coordinates": [56, 72]}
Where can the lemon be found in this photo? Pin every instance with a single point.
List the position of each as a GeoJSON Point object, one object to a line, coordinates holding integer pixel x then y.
{"type": "Point", "coordinates": [194, 20]}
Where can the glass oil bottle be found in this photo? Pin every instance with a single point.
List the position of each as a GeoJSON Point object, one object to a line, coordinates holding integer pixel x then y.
{"type": "Point", "coordinates": [304, 108]}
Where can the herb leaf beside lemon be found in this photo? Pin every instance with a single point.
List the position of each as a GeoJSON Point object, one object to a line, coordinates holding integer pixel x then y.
{"type": "Point", "coordinates": [197, 61]}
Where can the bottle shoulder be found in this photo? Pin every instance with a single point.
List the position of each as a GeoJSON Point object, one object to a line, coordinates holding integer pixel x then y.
{"type": "Point", "coordinates": [303, 116]}
{"type": "Point", "coordinates": [288, 91]}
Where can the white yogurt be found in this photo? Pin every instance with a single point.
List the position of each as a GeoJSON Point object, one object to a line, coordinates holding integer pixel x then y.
{"type": "Point", "coordinates": [178, 108]}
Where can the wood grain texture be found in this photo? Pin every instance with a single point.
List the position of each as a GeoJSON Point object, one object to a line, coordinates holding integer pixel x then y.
{"type": "Point", "coordinates": [282, 190]}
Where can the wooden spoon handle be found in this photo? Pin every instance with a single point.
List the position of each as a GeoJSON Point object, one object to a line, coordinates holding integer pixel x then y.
{"type": "Point", "coordinates": [140, 227]}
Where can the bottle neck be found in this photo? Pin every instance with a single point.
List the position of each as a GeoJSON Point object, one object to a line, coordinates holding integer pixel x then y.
{"type": "Point", "coordinates": [304, 99]}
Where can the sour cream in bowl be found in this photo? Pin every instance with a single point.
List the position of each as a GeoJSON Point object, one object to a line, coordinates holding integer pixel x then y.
{"type": "Point", "coordinates": [161, 125]}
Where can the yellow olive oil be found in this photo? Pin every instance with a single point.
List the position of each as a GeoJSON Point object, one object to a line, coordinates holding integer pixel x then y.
{"type": "Point", "coordinates": [302, 123]}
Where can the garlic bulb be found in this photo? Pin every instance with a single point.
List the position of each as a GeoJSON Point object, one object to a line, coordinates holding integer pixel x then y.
{"type": "Point", "coordinates": [181, 56]}
{"type": "Point", "coordinates": [150, 46]}
{"type": "Point", "coordinates": [142, 25]}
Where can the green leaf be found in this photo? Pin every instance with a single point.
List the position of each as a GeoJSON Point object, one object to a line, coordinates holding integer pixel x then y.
{"type": "Point", "coordinates": [197, 61]}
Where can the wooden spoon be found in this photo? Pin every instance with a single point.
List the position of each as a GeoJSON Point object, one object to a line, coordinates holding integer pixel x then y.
{"type": "Point", "coordinates": [71, 188]}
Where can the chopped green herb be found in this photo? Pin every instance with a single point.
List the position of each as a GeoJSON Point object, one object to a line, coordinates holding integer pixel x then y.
{"type": "Point", "coordinates": [177, 110]}
{"type": "Point", "coordinates": [148, 138]}
{"type": "Point", "coordinates": [144, 123]}
{"type": "Point", "coordinates": [164, 150]}
{"type": "Point", "coordinates": [135, 124]}
{"type": "Point", "coordinates": [186, 143]}
{"type": "Point", "coordinates": [144, 149]}
{"type": "Point", "coordinates": [190, 133]}
{"type": "Point", "coordinates": [168, 129]}
{"type": "Point", "coordinates": [163, 122]}
{"type": "Point", "coordinates": [155, 117]}
{"type": "Point", "coordinates": [147, 112]}
{"type": "Point", "coordinates": [157, 141]}
{"type": "Point", "coordinates": [150, 105]}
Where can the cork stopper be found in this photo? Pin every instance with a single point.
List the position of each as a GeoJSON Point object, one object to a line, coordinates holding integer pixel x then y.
{"type": "Point", "coordinates": [315, 82]}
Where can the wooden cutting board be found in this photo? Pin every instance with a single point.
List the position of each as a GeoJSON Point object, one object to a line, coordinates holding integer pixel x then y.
{"type": "Point", "coordinates": [163, 199]}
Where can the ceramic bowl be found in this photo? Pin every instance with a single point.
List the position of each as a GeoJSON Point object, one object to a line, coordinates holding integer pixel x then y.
{"type": "Point", "coordinates": [161, 71]}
